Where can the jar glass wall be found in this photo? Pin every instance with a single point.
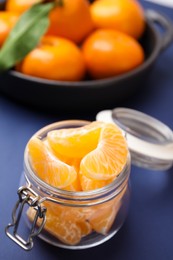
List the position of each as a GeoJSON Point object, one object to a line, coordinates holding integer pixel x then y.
{"type": "Point", "coordinates": [76, 220]}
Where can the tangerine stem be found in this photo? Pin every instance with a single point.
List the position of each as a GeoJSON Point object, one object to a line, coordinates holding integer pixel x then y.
{"type": "Point", "coordinates": [60, 2]}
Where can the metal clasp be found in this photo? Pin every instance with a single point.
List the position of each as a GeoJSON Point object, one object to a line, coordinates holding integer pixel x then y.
{"type": "Point", "coordinates": [29, 197]}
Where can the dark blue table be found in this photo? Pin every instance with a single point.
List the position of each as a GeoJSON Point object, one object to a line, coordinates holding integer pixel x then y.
{"type": "Point", "coordinates": [148, 231]}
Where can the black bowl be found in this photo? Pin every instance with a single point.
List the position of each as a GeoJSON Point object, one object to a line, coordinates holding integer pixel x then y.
{"type": "Point", "coordinates": [90, 94]}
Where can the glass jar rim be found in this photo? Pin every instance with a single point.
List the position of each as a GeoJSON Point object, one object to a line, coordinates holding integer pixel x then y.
{"type": "Point", "coordinates": [150, 141]}
{"type": "Point", "coordinates": [71, 195]}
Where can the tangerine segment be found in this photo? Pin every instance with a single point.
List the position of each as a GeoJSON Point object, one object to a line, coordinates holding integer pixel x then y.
{"type": "Point", "coordinates": [75, 162]}
{"type": "Point", "coordinates": [85, 227]}
{"type": "Point", "coordinates": [103, 218]}
{"type": "Point", "coordinates": [75, 142]}
{"type": "Point", "coordinates": [90, 184]}
{"type": "Point", "coordinates": [74, 186]}
{"type": "Point", "coordinates": [105, 214]}
{"type": "Point", "coordinates": [77, 214]}
{"type": "Point", "coordinates": [68, 224]}
{"type": "Point", "coordinates": [48, 167]}
{"type": "Point", "coordinates": [109, 157]}
{"type": "Point", "coordinates": [66, 231]}
{"type": "Point", "coordinates": [68, 213]}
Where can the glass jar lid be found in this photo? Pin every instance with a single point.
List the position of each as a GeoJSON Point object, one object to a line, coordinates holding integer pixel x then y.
{"type": "Point", "coordinates": [150, 141]}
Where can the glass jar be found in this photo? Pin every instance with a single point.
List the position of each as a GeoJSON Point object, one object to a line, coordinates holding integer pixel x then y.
{"type": "Point", "coordinates": [68, 219]}
{"type": "Point", "coordinates": [79, 220]}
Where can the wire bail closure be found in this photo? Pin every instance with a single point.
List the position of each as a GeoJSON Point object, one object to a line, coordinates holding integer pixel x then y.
{"type": "Point", "coordinates": [26, 197]}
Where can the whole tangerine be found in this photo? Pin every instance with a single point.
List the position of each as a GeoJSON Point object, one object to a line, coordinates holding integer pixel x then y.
{"type": "Point", "coordinates": [56, 59]}
{"type": "Point", "coordinates": [19, 6]}
{"type": "Point", "coordinates": [108, 53]}
{"type": "Point", "coordinates": [72, 20]}
{"type": "Point", "coordinates": [7, 21]}
{"type": "Point", "coordinates": [123, 15]}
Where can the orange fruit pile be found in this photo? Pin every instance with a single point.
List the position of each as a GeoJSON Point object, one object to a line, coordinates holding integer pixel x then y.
{"type": "Point", "coordinates": [79, 159]}
{"type": "Point", "coordinates": [103, 36]}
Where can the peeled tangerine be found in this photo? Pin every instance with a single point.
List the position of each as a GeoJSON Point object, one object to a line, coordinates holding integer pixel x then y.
{"type": "Point", "coordinates": [79, 159]}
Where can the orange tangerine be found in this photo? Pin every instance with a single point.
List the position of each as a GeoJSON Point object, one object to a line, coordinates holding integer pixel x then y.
{"type": "Point", "coordinates": [7, 21]}
{"type": "Point", "coordinates": [75, 142]}
{"type": "Point", "coordinates": [54, 58]}
{"type": "Point", "coordinates": [123, 15]}
{"type": "Point", "coordinates": [107, 160]}
{"type": "Point", "coordinates": [109, 53]}
{"type": "Point", "coordinates": [19, 6]}
{"type": "Point", "coordinates": [72, 20]}
{"type": "Point", "coordinates": [48, 167]}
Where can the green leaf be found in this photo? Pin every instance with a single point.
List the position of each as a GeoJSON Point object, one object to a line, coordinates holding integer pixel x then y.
{"type": "Point", "coordinates": [25, 35]}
